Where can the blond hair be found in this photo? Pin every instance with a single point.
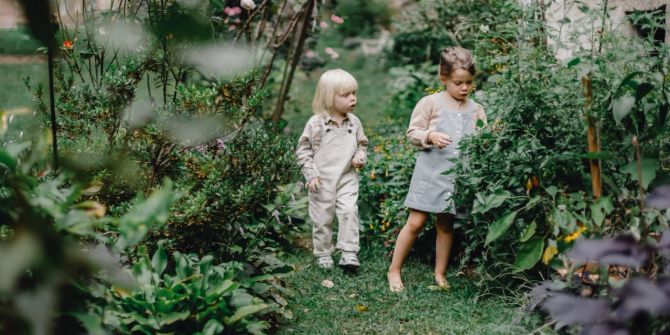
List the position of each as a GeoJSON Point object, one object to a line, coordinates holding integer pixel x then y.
{"type": "Point", "coordinates": [454, 58]}
{"type": "Point", "coordinates": [331, 82]}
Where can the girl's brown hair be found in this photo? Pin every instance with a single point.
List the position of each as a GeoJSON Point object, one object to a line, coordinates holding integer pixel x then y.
{"type": "Point", "coordinates": [454, 58]}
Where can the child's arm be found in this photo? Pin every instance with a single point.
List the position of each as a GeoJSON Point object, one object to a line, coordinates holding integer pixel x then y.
{"type": "Point", "coordinates": [305, 154]}
{"type": "Point", "coordinates": [361, 155]}
{"type": "Point", "coordinates": [418, 125]}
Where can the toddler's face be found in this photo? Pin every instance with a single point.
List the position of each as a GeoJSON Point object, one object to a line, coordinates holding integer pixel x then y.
{"type": "Point", "coordinates": [345, 102]}
{"type": "Point", "coordinates": [459, 83]}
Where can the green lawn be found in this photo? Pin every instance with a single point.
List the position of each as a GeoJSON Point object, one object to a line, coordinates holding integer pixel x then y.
{"type": "Point", "coordinates": [13, 91]}
{"type": "Point", "coordinates": [17, 42]}
{"type": "Point", "coordinates": [418, 310]}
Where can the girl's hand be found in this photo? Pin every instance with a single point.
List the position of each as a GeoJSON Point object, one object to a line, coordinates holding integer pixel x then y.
{"type": "Point", "coordinates": [439, 140]}
{"type": "Point", "coordinates": [314, 184]}
{"type": "Point", "coordinates": [357, 162]}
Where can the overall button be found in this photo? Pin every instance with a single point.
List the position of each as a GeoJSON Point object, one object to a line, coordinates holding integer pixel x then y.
{"type": "Point", "coordinates": [349, 131]}
{"type": "Point", "coordinates": [327, 130]}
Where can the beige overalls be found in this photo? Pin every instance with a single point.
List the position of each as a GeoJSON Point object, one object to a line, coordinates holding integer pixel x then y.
{"type": "Point", "coordinates": [337, 194]}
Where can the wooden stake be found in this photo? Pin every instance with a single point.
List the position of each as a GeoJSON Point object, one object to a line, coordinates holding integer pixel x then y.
{"type": "Point", "coordinates": [592, 139]}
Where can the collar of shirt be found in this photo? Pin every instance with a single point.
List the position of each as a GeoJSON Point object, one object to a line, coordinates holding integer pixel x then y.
{"type": "Point", "coordinates": [329, 120]}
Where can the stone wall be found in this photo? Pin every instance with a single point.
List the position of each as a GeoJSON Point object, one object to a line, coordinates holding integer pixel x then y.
{"type": "Point", "coordinates": [560, 9]}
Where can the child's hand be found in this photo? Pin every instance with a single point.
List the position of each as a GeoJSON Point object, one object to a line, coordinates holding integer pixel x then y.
{"type": "Point", "coordinates": [357, 162]}
{"type": "Point", "coordinates": [439, 140]}
{"type": "Point", "coordinates": [314, 184]}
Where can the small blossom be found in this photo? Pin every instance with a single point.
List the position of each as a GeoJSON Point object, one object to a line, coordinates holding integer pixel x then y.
{"type": "Point", "coordinates": [323, 24]}
{"type": "Point", "coordinates": [336, 19]}
{"type": "Point", "coordinates": [68, 44]}
{"type": "Point", "coordinates": [310, 54]}
{"type": "Point", "coordinates": [248, 4]}
{"type": "Point", "coordinates": [232, 11]}
{"type": "Point", "coordinates": [231, 27]}
{"type": "Point", "coordinates": [484, 28]}
{"type": "Point", "coordinates": [333, 54]}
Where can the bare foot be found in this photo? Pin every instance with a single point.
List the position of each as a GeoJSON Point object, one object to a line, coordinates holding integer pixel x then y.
{"type": "Point", "coordinates": [442, 282]}
{"type": "Point", "coordinates": [395, 282]}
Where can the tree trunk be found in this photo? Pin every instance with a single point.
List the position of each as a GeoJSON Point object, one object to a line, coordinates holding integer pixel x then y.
{"type": "Point", "coordinates": [297, 51]}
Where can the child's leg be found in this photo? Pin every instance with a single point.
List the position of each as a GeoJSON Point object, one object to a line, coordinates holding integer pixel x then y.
{"type": "Point", "coordinates": [346, 210]}
{"type": "Point", "coordinates": [403, 244]}
{"type": "Point", "coordinates": [443, 242]}
{"type": "Point", "coordinates": [321, 212]}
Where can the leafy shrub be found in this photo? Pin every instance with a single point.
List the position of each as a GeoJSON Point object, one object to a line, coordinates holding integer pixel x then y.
{"type": "Point", "coordinates": [384, 183]}
{"type": "Point", "coordinates": [487, 27]}
{"type": "Point", "coordinates": [526, 178]}
{"type": "Point", "coordinates": [57, 243]}
{"type": "Point", "coordinates": [363, 17]}
{"type": "Point", "coordinates": [228, 190]}
{"type": "Point", "coordinates": [197, 297]}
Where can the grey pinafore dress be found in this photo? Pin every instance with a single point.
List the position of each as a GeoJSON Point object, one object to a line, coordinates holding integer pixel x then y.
{"type": "Point", "coordinates": [430, 189]}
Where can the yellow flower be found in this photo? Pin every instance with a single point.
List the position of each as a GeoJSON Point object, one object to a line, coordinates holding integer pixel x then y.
{"type": "Point", "coordinates": [575, 234]}
{"type": "Point", "coordinates": [372, 175]}
{"type": "Point", "coordinates": [549, 253]}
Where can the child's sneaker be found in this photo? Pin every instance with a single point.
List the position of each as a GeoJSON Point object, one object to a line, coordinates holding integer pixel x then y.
{"type": "Point", "coordinates": [325, 262]}
{"type": "Point", "coordinates": [349, 260]}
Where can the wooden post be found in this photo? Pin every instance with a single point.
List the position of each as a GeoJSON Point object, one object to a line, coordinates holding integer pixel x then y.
{"type": "Point", "coordinates": [592, 138]}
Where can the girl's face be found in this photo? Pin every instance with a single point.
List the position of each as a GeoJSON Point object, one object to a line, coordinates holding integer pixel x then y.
{"type": "Point", "coordinates": [458, 84]}
{"type": "Point", "coordinates": [345, 102]}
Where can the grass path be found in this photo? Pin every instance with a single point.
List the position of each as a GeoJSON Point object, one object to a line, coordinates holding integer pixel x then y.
{"type": "Point", "coordinates": [362, 304]}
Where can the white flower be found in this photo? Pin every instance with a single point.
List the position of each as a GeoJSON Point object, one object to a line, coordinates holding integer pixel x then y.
{"type": "Point", "coordinates": [484, 28]}
{"type": "Point", "coordinates": [248, 4]}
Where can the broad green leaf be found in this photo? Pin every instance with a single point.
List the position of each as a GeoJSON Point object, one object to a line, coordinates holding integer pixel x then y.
{"type": "Point", "coordinates": [245, 311]}
{"type": "Point", "coordinates": [648, 167]}
{"type": "Point", "coordinates": [529, 254]}
{"type": "Point", "coordinates": [220, 288]}
{"type": "Point", "coordinates": [182, 267]}
{"type": "Point", "coordinates": [532, 202]}
{"type": "Point", "coordinates": [642, 90]}
{"type": "Point", "coordinates": [154, 211]}
{"type": "Point", "coordinates": [212, 327]}
{"type": "Point", "coordinates": [159, 260]}
{"type": "Point", "coordinates": [622, 106]}
{"type": "Point", "coordinates": [552, 191]}
{"type": "Point", "coordinates": [7, 160]}
{"type": "Point", "coordinates": [601, 208]}
{"type": "Point", "coordinates": [574, 61]}
{"type": "Point", "coordinates": [528, 232]}
{"type": "Point", "coordinates": [257, 327]}
{"type": "Point", "coordinates": [169, 318]}
{"type": "Point", "coordinates": [500, 226]}
{"type": "Point", "coordinates": [491, 201]}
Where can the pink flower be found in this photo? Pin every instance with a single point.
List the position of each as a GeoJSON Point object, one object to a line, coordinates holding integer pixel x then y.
{"type": "Point", "coordinates": [336, 19]}
{"type": "Point", "coordinates": [332, 53]}
{"type": "Point", "coordinates": [323, 24]}
{"type": "Point", "coordinates": [310, 54]}
{"type": "Point", "coordinates": [232, 11]}
{"type": "Point", "coordinates": [231, 27]}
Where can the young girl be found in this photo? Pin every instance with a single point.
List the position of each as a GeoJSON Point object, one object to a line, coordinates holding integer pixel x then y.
{"type": "Point", "coordinates": [330, 149]}
{"type": "Point", "coordinates": [438, 122]}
